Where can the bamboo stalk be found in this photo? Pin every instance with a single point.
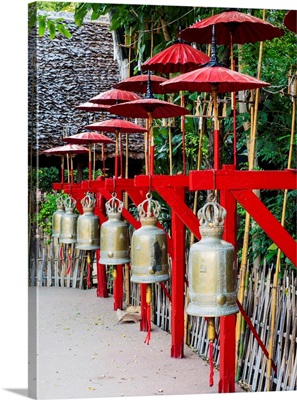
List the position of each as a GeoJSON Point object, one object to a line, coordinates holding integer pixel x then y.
{"type": "Point", "coordinates": [277, 266]}
{"type": "Point", "coordinates": [251, 161]}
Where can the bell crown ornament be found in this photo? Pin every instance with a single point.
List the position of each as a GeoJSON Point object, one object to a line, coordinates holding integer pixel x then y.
{"type": "Point", "coordinates": [56, 218]}
{"type": "Point", "coordinates": [88, 229]}
{"type": "Point", "coordinates": [114, 236]}
{"type": "Point", "coordinates": [149, 258]}
{"type": "Point", "coordinates": [68, 222]}
{"type": "Point", "coordinates": [212, 273]}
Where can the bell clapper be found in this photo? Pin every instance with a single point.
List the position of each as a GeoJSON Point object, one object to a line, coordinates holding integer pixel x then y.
{"type": "Point", "coordinates": [114, 272]}
{"type": "Point", "coordinates": [148, 302]}
{"type": "Point", "coordinates": [211, 334]}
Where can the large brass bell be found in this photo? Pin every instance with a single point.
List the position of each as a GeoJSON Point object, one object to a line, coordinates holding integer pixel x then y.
{"type": "Point", "coordinates": [149, 259]}
{"type": "Point", "coordinates": [114, 237]}
{"type": "Point", "coordinates": [212, 272]}
{"type": "Point", "coordinates": [57, 216]}
{"type": "Point", "coordinates": [88, 235]}
{"type": "Point", "coordinates": [68, 222]}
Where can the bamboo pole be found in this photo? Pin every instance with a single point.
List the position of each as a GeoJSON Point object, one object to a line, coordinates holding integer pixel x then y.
{"type": "Point", "coordinates": [277, 266]}
{"type": "Point", "coordinates": [251, 162]}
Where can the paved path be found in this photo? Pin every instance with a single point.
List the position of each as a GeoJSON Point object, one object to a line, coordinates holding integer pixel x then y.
{"type": "Point", "coordinates": [82, 352]}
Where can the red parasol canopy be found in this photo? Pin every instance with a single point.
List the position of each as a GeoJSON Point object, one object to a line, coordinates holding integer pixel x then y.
{"type": "Point", "coordinates": [138, 84]}
{"type": "Point", "coordinates": [290, 20]}
{"type": "Point", "coordinates": [150, 108]}
{"type": "Point", "coordinates": [111, 125]}
{"type": "Point", "coordinates": [203, 80]}
{"type": "Point", "coordinates": [117, 125]}
{"type": "Point", "coordinates": [88, 106]}
{"type": "Point", "coordinates": [244, 28]}
{"type": "Point", "coordinates": [114, 96]}
{"type": "Point", "coordinates": [88, 138]}
{"type": "Point", "coordinates": [180, 57]}
{"type": "Point", "coordinates": [142, 108]}
{"type": "Point", "coordinates": [67, 149]}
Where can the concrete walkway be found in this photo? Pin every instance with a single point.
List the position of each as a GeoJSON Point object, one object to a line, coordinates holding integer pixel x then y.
{"type": "Point", "coordinates": [83, 352]}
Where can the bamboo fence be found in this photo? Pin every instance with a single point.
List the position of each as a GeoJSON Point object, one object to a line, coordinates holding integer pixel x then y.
{"type": "Point", "coordinates": [46, 269]}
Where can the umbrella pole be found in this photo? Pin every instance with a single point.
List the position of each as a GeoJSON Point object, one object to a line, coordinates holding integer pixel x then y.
{"type": "Point", "coordinates": [103, 158]}
{"type": "Point", "coordinates": [233, 105]}
{"type": "Point", "coordinates": [90, 162]}
{"type": "Point", "coordinates": [62, 169]}
{"type": "Point", "coordinates": [182, 103]}
{"type": "Point", "coordinates": [116, 160]}
{"type": "Point", "coordinates": [94, 162]}
{"type": "Point", "coordinates": [216, 132]}
{"type": "Point", "coordinates": [121, 154]}
{"type": "Point", "coordinates": [71, 169]}
{"type": "Point", "coordinates": [152, 147]}
{"type": "Point", "coordinates": [68, 168]}
{"type": "Point", "coordinates": [170, 147]}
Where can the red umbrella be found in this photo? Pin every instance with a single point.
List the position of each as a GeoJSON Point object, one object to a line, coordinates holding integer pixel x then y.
{"type": "Point", "coordinates": [290, 20]}
{"type": "Point", "coordinates": [244, 28]}
{"type": "Point", "coordinates": [117, 126]}
{"type": "Point", "coordinates": [180, 57]}
{"type": "Point", "coordinates": [150, 108]}
{"type": "Point", "coordinates": [231, 26]}
{"type": "Point", "coordinates": [215, 79]}
{"type": "Point", "coordinates": [114, 96]}
{"type": "Point", "coordinates": [139, 83]}
{"type": "Point", "coordinates": [61, 151]}
{"type": "Point", "coordinates": [89, 138]}
{"type": "Point", "coordinates": [88, 106]}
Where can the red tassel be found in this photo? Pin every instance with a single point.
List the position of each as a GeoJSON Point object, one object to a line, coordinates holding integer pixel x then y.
{"type": "Point", "coordinates": [69, 264]}
{"type": "Point", "coordinates": [148, 336]}
{"type": "Point", "coordinates": [211, 366]}
{"type": "Point", "coordinates": [61, 254]}
{"type": "Point", "coordinates": [89, 275]}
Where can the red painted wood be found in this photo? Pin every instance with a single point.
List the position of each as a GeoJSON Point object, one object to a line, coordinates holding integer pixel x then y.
{"type": "Point", "coordinates": [182, 210]}
{"type": "Point", "coordinates": [227, 357]}
{"type": "Point", "coordinates": [101, 278]}
{"type": "Point", "coordinates": [268, 223]}
{"type": "Point", "coordinates": [232, 180]}
{"type": "Point", "coordinates": [216, 149]}
{"type": "Point", "coordinates": [177, 281]}
{"type": "Point", "coordinates": [144, 323]}
{"type": "Point", "coordinates": [118, 289]}
{"type": "Point", "coordinates": [227, 324]}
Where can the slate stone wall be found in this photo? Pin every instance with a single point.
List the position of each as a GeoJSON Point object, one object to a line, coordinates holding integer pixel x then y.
{"type": "Point", "coordinates": [64, 73]}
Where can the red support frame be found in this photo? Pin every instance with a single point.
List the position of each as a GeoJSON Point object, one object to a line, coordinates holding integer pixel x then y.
{"type": "Point", "coordinates": [233, 186]}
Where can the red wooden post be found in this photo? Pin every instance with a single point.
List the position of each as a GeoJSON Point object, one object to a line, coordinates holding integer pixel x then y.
{"type": "Point", "coordinates": [177, 282]}
{"type": "Point", "coordinates": [101, 277]}
{"type": "Point", "coordinates": [143, 308]}
{"type": "Point", "coordinates": [118, 288]}
{"type": "Point", "coordinates": [228, 324]}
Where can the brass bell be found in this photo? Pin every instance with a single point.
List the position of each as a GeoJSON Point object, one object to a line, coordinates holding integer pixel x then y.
{"type": "Point", "coordinates": [212, 268]}
{"type": "Point", "coordinates": [56, 218]}
{"type": "Point", "coordinates": [68, 222]}
{"type": "Point", "coordinates": [88, 225]}
{"type": "Point", "coordinates": [149, 259]}
{"type": "Point", "coordinates": [114, 237]}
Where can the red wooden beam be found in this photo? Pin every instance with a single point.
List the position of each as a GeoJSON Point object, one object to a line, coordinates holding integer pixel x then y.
{"type": "Point", "coordinates": [268, 223]}
{"type": "Point", "coordinates": [181, 209]}
{"type": "Point", "coordinates": [227, 179]}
